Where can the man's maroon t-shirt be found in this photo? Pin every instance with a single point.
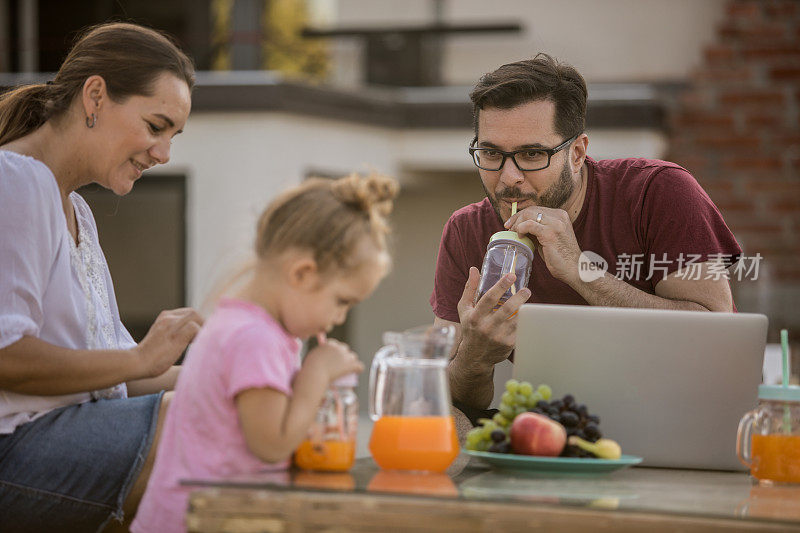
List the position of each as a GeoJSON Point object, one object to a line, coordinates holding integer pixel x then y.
{"type": "Point", "coordinates": [646, 218]}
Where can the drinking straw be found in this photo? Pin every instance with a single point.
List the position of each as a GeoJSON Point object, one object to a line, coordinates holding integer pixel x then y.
{"type": "Point", "coordinates": [787, 419]}
{"type": "Point", "coordinates": [322, 339]}
{"type": "Point", "coordinates": [514, 261]}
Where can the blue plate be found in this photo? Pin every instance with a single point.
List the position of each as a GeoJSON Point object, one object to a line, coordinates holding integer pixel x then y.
{"type": "Point", "coordinates": [556, 465]}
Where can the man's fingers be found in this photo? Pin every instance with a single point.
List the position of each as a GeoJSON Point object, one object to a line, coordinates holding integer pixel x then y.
{"type": "Point", "coordinates": [508, 311]}
{"type": "Point", "coordinates": [470, 288]}
{"type": "Point", "coordinates": [491, 298]}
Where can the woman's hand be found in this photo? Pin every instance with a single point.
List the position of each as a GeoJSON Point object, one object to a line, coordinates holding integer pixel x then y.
{"type": "Point", "coordinates": [334, 359]}
{"type": "Point", "coordinates": [166, 340]}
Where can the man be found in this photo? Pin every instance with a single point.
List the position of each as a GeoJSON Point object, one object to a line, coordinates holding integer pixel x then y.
{"type": "Point", "coordinates": [665, 243]}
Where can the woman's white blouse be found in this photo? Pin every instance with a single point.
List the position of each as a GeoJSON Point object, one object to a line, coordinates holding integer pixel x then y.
{"type": "Point", "coordinates": [50, 287]}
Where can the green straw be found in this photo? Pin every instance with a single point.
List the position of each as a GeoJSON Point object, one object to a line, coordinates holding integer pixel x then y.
{"type": "Point", "coordinates": [787, 420]}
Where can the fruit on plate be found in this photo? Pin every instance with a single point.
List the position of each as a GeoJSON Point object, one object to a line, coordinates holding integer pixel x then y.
{"type": "Point", "coordinates": [491, 435]}
{"type": "Point", "coordinates": [535, 434]}
{"type": "Point", "coordinates": [603, 448]}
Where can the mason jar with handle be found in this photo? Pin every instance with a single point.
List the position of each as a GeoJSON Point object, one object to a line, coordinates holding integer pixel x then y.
{"type": "Point", "coordinates": [409, 401]}
{"type": "Point", "coordinates": [331, 442]}
{"type": "Point", "coordinates": [768, 439]}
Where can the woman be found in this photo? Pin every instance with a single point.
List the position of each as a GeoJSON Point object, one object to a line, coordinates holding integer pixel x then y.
{"type": "Point", "coordinates": [75, 450]}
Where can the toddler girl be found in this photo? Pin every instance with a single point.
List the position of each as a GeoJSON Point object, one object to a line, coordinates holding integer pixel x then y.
{"type": "Point", "coordinates": [243, 402]}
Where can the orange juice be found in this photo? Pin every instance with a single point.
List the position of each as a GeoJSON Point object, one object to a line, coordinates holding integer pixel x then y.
{"type": "Point", "coordinates": [776, 457]}
{"type": "Point", "coordinates": [424, 443]}
{"type": "Point", "coordinates": [328, 455]}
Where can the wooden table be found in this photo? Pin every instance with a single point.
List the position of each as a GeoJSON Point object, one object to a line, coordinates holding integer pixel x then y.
{"type": "Point", "coordinates": [475, 498]}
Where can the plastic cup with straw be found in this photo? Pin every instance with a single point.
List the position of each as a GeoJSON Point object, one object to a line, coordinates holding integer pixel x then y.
{"type": "Point", "coordinates": [322, 339]}
{"type": "Point", "coordinates": [787, 418]}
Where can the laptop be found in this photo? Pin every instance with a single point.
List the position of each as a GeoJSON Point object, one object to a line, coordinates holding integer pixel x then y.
{"type": "Point", "coordinates": [669, 386]}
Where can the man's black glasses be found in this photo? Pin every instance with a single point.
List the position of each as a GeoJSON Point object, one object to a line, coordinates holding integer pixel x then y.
{"type": "Point", "coordinates": [526, 159]}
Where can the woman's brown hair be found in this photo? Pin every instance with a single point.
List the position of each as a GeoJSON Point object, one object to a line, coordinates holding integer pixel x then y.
{"type": "Point", "coordinates": [127, 56]}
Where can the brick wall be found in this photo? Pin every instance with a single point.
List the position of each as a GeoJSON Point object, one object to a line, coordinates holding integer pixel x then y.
{"type": "Point", "coordinates": [737, 129]}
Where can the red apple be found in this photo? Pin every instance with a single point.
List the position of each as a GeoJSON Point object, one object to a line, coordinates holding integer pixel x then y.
{"type": "Point", "coordinates": [535, 434]}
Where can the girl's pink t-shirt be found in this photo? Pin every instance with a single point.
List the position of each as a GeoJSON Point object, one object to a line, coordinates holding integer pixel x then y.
{"type": "Point", "coordinates": [240, 347]}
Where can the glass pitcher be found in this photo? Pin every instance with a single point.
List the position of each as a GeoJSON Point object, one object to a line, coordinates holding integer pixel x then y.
{"type": "Point", "coordinates": [409, 401]}
{"type": "Point", "coordinates": [768, 440]}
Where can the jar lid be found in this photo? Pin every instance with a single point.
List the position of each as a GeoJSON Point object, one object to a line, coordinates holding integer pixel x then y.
{"type": "Point", "coordinates": [348, 380]}
{"type": "Point", "coordinates": [512, 236]}
{"type": "Point", "coordinates": [779, 392]}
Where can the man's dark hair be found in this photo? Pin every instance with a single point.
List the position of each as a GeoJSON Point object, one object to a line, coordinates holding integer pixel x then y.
{"type": "Point", "coordinates": [540, 78]}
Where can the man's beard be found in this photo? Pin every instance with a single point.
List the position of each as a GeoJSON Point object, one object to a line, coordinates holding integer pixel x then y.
{"type": "Point", "coordinates": [555, 196]}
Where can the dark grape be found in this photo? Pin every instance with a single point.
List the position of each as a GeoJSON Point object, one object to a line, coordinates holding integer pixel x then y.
{"type": "Point", "coordinates": [570, 451]}
{"type": "Point", "coordinates": [553, 412]}
{"type": "Point", "coordinates": [556, 418]}
{"type": "Point", "coordinates": [569, 419]}
{"type": "Point", "coordinates": [581, 434]}
{"type": "Point", "coordinates": [543, 405]}
{"type": "Point", "coordinates": [594, 418]}
{"type": "Point", "coordinates": [581, 409]}
{"type": "Point", "coordinates": [537, 411]}
{"type": "Point", "coordinates": [592, 432]}
{"type": "Point", "coordinates": [568, 400]}
{"type": "Point", "coordinates": [498, 435]}
{"type": "Point", "coordinates": [495, 448]}
{"type": "Point", "coordinates": [558, 404]}
{"type": "Point", "coordinates": [504, 447]}
{"type": "Point", "coordinates": [572, 431]}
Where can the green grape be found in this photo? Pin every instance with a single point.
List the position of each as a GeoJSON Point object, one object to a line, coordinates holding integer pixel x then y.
{"type": "Point", "coordinates": [520, 409]}
{"type": "Point", "coordinates": [500, 420]}
{"type": "Point", "coordinates": [474, 437]}
{"type": "Point", "coordinates": [512, 385]}
{"type": "Point", "coordinates": [507, 411]}
{"type": "Point", "coordinates": [484, 445]}
{"type": "Point", "coordinates": [533, 399]}
{"type": "Point", "coordinates": [486, 431]}
{"type": "Point", "coordinates": [525, 388]}
{"type": "Point", "coordinates": [507, 398]}
{"type": "Point", "coordinates": [545, 391]}
{"type": "Point", "coordinates": [475, 434]}
{"type": "Point", "coordinates": [519, 399]}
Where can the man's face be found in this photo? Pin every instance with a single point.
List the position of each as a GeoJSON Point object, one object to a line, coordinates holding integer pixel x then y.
{"type": "Point", "coordinates": [529, 125]}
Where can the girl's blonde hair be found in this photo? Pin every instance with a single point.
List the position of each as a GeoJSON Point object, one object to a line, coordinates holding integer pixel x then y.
{"type": "Point", "coordinates": [329, 218]}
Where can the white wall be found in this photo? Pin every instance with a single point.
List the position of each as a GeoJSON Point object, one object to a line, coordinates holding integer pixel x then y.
{"type": "Point", "coordinates": [608, 40]}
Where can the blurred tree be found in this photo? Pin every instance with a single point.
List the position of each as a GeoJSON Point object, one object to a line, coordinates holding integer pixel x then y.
{"type": "Point", "coordinates": [279, 42]}
{"type": "Point", "coordinates": [284, 49]}
{"type": "Point", "coordinates": [221, 34]}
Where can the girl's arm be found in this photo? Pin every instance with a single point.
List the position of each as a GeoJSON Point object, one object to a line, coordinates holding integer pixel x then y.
{"type": "Point", "coordinates": [274, 424]}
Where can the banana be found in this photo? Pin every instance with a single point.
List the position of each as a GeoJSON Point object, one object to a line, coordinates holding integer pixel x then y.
{"type": "Point", "coordinates": [603, 448]}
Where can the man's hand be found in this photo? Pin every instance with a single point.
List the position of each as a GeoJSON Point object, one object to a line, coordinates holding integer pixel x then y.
{"type": "Point", "coordinates": [487, 334]}
{"type": "Point", "coordinates": [554, 236]}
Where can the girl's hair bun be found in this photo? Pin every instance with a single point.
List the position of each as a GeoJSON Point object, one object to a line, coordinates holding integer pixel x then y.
{"type": "Point", "coordinates": [373, 193]}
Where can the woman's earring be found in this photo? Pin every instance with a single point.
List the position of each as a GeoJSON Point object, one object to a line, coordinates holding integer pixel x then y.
{"type": "Point", "coordinates": [91, 124]}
